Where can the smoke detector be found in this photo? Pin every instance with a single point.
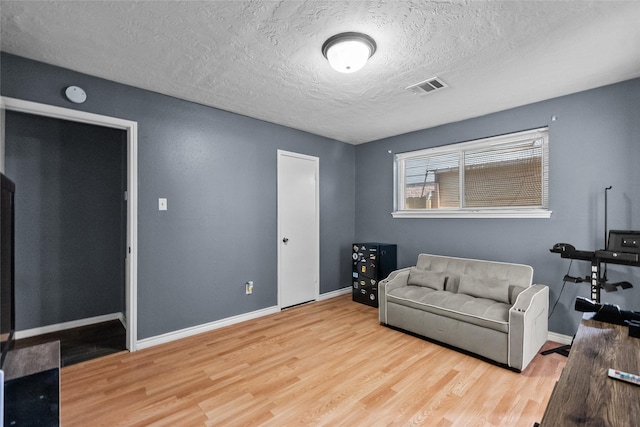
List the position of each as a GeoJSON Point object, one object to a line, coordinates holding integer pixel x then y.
{"type": "Point", "coordinates": [428, 86]}
{"type": "Point", "coordinates": [75, 94]}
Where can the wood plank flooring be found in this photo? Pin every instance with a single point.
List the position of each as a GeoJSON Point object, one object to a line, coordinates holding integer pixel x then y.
{"type": "Point", "coordinates": [327, 363]}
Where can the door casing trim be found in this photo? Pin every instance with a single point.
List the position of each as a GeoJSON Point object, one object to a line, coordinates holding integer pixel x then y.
{"type": "Point", "coordinates": [131, 128]}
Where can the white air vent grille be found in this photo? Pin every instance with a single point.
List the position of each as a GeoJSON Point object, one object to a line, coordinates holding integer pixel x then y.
{"type": "Point", "coordinates": [428, 86]}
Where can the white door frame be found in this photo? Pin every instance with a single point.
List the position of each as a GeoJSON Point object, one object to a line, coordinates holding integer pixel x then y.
{"type": "Point", "coordinates": [316, 162]}
{"type": "Point", "coordinates": [131, 127]}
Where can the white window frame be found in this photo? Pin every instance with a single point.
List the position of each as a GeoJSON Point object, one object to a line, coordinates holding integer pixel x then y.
{"type": "Point", "coordinates": [399, 210]}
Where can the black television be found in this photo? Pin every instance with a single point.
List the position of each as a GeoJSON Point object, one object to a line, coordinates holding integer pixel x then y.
{"type": "Point", "coordinates": [7, 263]}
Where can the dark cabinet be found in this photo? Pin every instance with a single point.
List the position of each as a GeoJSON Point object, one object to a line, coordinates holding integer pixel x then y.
{"type": "Point", "coordinates": [372, 262]}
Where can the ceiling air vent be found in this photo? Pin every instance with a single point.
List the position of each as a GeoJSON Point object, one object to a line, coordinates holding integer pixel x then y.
{"type": "Point", "coordinates": [427, 86]}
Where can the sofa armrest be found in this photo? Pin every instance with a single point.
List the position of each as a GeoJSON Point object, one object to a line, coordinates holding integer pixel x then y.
{"type": "Point", "coordinates": [396, 279]}
{"type": "Point", "coordinates": [528, 325]}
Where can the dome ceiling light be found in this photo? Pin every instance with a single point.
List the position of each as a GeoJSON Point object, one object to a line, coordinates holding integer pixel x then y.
{"type": "Point", "coordinates": [348, 52]}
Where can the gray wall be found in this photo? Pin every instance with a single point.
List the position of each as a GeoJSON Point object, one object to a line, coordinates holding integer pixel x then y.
{"type": "Point", "coordinates": [70, 218]}
{"type": "Point", "coordinates": [594, 143]}
{"type": "Point", "coordinates": [218, 172]}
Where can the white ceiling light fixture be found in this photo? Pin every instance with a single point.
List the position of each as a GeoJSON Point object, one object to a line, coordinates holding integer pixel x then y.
{"type": "Point", "coordinates": [348, 52]}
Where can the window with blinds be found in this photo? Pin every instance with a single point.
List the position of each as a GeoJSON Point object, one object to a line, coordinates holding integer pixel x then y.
{"type": "Point", "coordinates": [503, 176]}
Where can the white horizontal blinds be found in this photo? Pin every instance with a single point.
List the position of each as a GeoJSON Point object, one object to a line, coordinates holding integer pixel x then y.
{"type": "Point", "coordinates": [505, 175]}
{"type": "Point", "coordinates": [501, 176]}
{"type": "Point", "coordinates": [448, 188]}
{"type": "Point", "coordinates": [432, 182]}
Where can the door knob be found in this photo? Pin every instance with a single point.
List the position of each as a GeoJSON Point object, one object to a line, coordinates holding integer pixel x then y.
{"type": "Point", "coordinates": [285, 240]}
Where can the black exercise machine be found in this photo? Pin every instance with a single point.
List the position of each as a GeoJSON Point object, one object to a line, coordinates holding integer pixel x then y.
{"type": "Point", "coordinates": [622, 247]}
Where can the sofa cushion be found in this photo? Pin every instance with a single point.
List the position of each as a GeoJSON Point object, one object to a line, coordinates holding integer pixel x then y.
{"type": "Point", "coordinates": [415, 293]}
{"type": "Point", "coordinates": [483, 312]}
{"type": "Point", "coordinates": [517, 274]}
{"type": "Point", "coordinates": [495, 289]}
{"type": "Point", "coordinates": [426, 278]}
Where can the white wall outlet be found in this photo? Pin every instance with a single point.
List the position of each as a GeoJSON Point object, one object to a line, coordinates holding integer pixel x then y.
{"type": "Point", "coordinates": [249, 287]}
{"type": "Point", "coordinates": [162, 204]}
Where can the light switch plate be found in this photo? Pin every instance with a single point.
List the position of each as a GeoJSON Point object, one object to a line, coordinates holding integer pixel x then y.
{"type": "Point", "coordinates": [162, 204]}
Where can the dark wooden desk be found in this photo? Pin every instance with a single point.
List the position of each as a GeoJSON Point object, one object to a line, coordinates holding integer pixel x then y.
{"type": "Point", "coordinates": [584, 394]}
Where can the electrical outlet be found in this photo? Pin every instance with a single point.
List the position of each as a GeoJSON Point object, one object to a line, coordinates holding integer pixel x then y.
{"type": "Point", "coordinates": [249, 287]}
{"type": "Point", "coordinates": [162, 204]}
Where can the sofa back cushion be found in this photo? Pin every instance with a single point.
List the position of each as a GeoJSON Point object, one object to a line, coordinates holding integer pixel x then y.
{"type": "Point", "coordinates": [427, 278]}
{"type": "Point", "coordinates": [493, 289]}
{"type": "Point", "coordinates": [512, 278]}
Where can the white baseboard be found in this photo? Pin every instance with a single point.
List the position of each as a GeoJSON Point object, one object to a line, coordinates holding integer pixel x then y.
{"type": "Point", "coordinates": [187, 332]}
{"type": "Point", "coordinates": [194, 330]}
{"type": "Point", "coordinates": [336, 293]}
{"type": "Point", "coordinates": [559, 338]}
{"type": "Point", "coordinates": [27, 333]}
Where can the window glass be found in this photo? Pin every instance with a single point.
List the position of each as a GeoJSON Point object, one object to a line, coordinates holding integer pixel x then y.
{"type": "Point", "coordinates": [499, 176]}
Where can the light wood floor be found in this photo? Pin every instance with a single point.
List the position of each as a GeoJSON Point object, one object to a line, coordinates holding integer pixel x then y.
{"type": "Point", "coordinates": [325, 363]}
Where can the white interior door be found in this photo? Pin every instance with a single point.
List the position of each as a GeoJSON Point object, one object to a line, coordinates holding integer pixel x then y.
{"type": "Point", "coordinates": [298, 229]}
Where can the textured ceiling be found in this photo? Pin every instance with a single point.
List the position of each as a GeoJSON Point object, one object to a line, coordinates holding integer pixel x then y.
{"type": "Point", "coordinates": [262, 58]}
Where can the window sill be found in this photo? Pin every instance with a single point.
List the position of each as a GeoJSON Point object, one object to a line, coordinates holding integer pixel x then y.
{"type": "Point", "coordinates": [498, 213]}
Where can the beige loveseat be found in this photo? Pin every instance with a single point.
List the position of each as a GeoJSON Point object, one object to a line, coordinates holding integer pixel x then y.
{"type": "Point", "coordinates": [484, 307]}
